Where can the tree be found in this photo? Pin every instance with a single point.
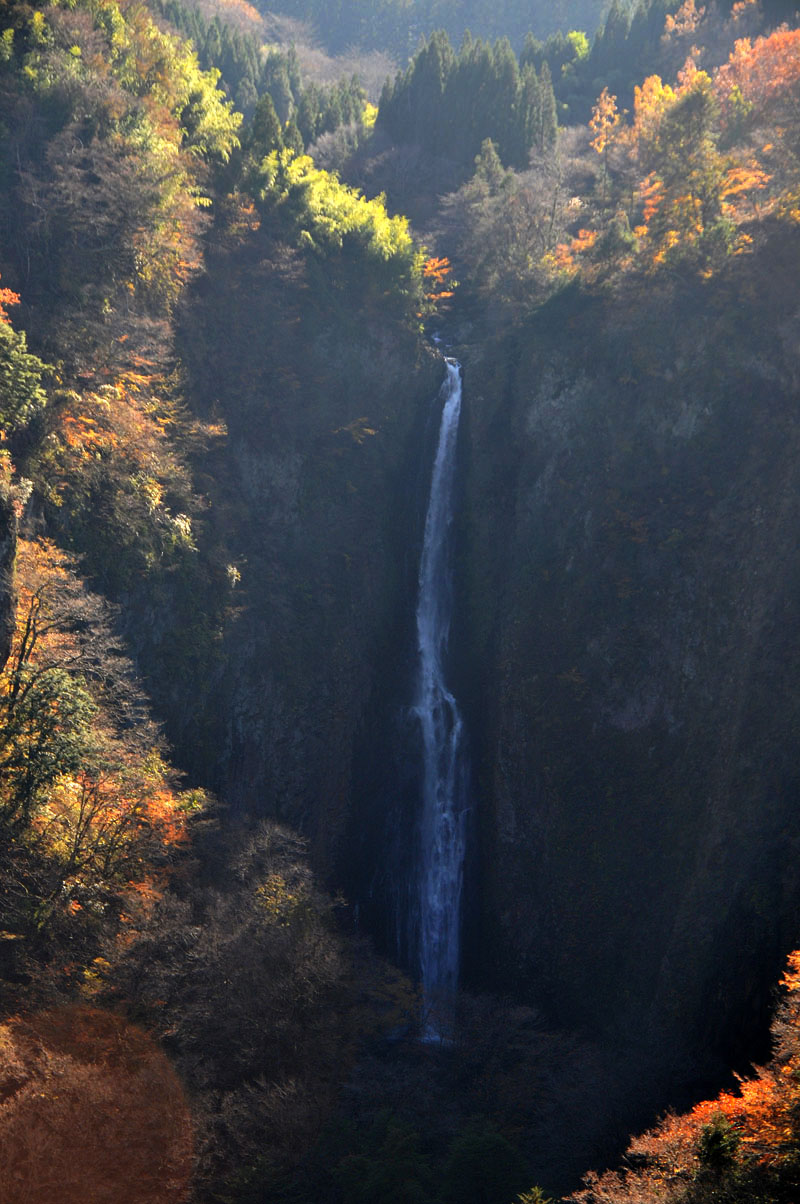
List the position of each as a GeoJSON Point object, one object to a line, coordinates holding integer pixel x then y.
{"type": "Point", "coordinates": [604, 122]}
{"type": "Point", "coordinates": [21, 391]}
{"type": "Point", "coordinates": [450, 103]}
{"type": "Point", "coordinates": [82, 1079]}
{"type": "Point", "coordinates": [392, 1170]}
{"type": "Point", "coordinates": [7, 297]}
{"type": "Point", "coordinates": [83, 778]}
{"type": "Point", "coordinates": [109, 453]}
{"type": "Point", "coordinates": [674, 141]}
{"type": "Point", "coordinates": [483, 1167]}
{"type": "Point", "coordinates": [330, 220]}
{"type": "Point", "coordinates": [259, 999]}
{"type": "Point", "coordinates": [111, 129]}
{"type": "Point", "coordinates": [758, 93]}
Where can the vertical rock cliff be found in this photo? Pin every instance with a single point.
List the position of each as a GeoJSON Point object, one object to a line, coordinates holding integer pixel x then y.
{"type": "Point", "coordinates": [321, 404]}
{"type": "Point", "coordinates": [634, 584]}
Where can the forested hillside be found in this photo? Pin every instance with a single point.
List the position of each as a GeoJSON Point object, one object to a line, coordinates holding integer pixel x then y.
{"type": "Point", "coordinates": [226, 279]}
{"type": "Point", "coordinates": [397, 25]}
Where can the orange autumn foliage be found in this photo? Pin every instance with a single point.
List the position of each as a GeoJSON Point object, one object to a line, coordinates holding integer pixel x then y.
{"type": "Point", "coordinates": [757, 90]}
{"type": "Point", "coordinates": [113, 447]}
{"type": "Point", "coordinates": [764, 73]}
{"type": "Point", "coordinates": [752, 1135]}
{"type": "Point", "coordinates": [91, 1112]}
{"type": "Point", "coordinates": [651, 101]}
{"type": "Point", "coordinates": [7, 298]}
{"type": "Point", "coordinates": [434, 274]}
{"type": "Point", "coordinates": [564, 259]}
{"type": "Point", "coordinates": [115, 815]}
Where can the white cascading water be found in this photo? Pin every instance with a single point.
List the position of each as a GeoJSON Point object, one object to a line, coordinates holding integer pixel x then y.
{"type": "Point", "coordinates": [443, 815]}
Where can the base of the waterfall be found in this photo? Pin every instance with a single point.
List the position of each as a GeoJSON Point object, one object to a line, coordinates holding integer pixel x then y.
{"type": "Point", "coordinates": [438, 1021]}
{"type": "Point", "coordinates": [437, 1039]}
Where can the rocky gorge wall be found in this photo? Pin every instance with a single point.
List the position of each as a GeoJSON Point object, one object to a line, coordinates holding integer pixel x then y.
{"type": "Point", "coordinates": [631, 554]}
{"type": "Point", "coordinates": [625, 645]}
{"type": "Point", "coordinates": [322, 403]}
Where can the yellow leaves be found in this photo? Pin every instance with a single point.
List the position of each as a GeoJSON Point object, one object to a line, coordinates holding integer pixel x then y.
{"type": "Point", "coordinates": [84, 438]}
{"type": "Point", "coordinates": [119, 432]}
{"type": "Point", "coordinates": [106, 815]}
{"type": "Point", "coordinates": [282, 900]}
{"type": "Point", "coordinates": [685, 21]}
{"type": "Point", "coordinates": [100, 826]}
{"type": "Point", "coordinates": [560, 261]}
{"type": "Point", "coordinates": [650, 102]}
{"type": "Point", "coordinates": [369, 116]}
{"type": "Point", "coordinates": [690, 76]}
{"type": "Point", "coordinates": [358, 430]}
{"type": "Point", "coordinates": [604, 121]}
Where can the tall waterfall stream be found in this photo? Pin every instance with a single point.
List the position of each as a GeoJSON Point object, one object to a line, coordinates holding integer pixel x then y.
{"type": "Point", "coordinates": [442, 844]}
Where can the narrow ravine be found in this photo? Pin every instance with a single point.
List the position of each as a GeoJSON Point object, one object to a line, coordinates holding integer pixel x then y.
{"type": "Point", "coordinates": [443, 811]}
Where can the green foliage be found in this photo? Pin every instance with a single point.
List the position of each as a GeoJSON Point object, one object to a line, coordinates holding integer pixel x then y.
{"type": "Point", "coordinates": [450, 103]}
{"type": "Point", "coordinates": [392, 1169]}
{"type": "Point", "coordinates": [483, 1167]}
{"type": "Point", "coordinates": [236, 55]}
{"type": "Point", "coordinates": [111, 130]}
{"type": "Point", "coordinates": [113, 485]}
{"type": "Point", "coordinates": [623, 50]}
{"type": "Point", "coordinates": [324, 216]}
{"type": "Point", "coordinates": [249, 75]}
{"type": "Point", "coordinates": [21, 392]}
{"type": "Point", "coordinates": [718, 1144]}
{"type": "Point", "coordinates": [579, 43]}
{"type": "Point", "coordinates": [150, 63]}
{"type": "Point", "coordinates": [263, 135]}
{"type": "Point", "coordinates": [45, 731]}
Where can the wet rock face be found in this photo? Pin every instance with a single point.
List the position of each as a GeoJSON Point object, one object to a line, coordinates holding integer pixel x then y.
{"type": "Point", "coordinates": [634, 636]}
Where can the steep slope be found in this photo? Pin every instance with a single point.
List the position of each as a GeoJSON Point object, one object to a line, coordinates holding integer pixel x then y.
{"type": "Point", "coordinates": [635, 632]}
{"type": "Point", "coordinates": [319, 389]}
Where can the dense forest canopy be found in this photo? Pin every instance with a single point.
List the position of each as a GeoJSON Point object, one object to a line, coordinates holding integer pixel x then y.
{"type": "Point", "coordinates": [449, 104]}
{"type": "Point", "coordinates": [219, 273]}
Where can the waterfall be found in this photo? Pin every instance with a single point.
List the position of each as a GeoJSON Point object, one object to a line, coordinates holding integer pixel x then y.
{"type": "Point", "coordinates": [440, 868]}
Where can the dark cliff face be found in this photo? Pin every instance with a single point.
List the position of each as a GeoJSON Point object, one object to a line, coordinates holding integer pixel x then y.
{"type": "Point", "coordinates": [323, 583]}
{"type": "Point", "coordinates": [322, 401]}
{"type": "Point", "coordinates": [633, 583]}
